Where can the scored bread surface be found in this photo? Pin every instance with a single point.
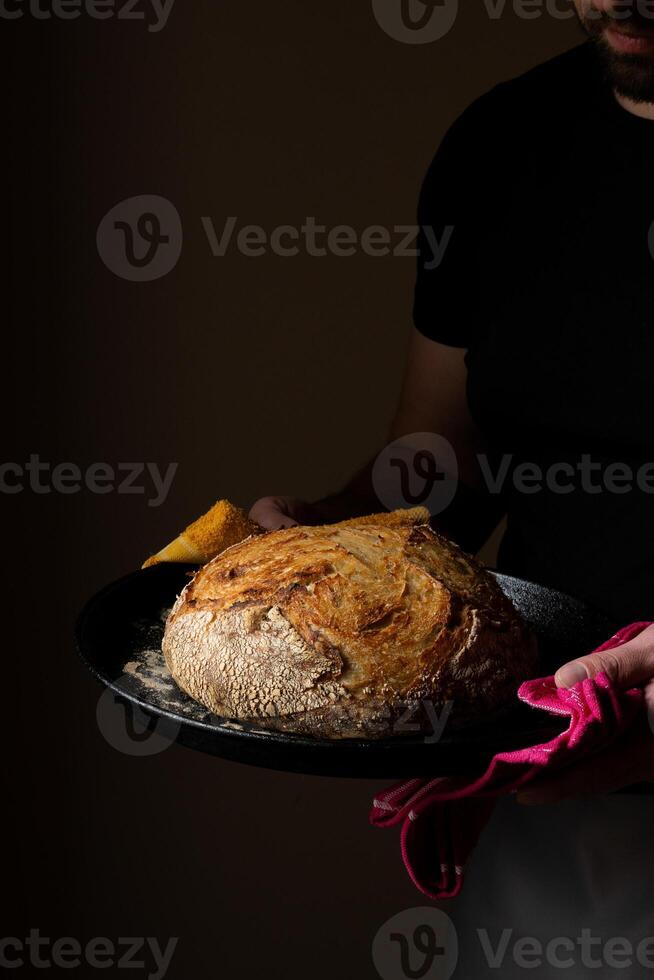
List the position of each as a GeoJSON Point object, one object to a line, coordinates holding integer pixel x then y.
{"type": "Point", "coordinates": [338, 631]}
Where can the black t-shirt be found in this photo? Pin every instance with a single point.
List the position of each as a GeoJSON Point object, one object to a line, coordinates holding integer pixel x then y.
{"type": "Point", "coordinates": [547, 188]}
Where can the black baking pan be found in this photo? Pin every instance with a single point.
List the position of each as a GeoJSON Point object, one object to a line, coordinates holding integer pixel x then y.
{"type": "Point", "coordinates": [119, 638]}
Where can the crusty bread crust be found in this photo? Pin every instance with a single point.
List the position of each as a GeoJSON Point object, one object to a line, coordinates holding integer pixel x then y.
{"type": "Point", "coordinates": [336, 631]}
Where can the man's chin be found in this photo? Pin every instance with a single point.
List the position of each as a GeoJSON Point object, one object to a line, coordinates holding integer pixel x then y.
{"type": "Point", "coordinates": [632, 76]}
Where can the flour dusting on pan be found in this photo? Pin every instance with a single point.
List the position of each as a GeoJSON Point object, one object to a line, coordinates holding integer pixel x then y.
{"type": "Point", "coordinates": [146, 675]}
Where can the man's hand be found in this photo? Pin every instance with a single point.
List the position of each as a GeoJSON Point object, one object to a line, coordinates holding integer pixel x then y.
{"type": "Point", "coordinates": [273, 513]}
{"type": "Point", "coordinates": [629, 665]}
{"type": "Point", "coordinates": [631, 759]}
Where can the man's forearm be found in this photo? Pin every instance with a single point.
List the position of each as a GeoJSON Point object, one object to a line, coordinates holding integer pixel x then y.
{"type": "Point", "coordinates": [356, 499]}
{"type": "Point", "coordinates": [469, 519]}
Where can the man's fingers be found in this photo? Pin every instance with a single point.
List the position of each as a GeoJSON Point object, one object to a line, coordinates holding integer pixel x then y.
{"type": "Point", "coordinates": [271, 513]}
{"type": "Point", "coordinates": [627, 666]}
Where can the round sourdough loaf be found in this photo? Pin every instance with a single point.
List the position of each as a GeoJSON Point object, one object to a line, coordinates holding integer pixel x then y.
{"type": "Point", "coordinates": [352, 630]}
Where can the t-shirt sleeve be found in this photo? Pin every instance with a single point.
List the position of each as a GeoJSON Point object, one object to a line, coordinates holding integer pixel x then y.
{"type": "Point", "coordinates": [446, 301]}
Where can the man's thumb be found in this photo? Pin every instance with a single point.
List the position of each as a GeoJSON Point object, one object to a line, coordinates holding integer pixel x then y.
{"type": "Point", "coordinates": [627, 666]}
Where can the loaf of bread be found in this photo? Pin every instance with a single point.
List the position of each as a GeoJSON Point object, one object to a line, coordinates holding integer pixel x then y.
{"type": "Point", "coordinates": [346, 630]}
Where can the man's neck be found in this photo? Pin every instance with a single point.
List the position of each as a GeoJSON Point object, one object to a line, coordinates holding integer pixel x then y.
{"type": "Point", "coordinates": [643, 109]}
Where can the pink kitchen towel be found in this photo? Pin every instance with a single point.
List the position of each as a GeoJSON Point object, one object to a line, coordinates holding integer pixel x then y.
{"type": "Point", "coordinates": [441, 819]}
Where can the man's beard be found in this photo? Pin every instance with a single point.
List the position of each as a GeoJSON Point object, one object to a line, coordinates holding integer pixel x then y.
{"type": "Point", "coordinates": [631, 75]}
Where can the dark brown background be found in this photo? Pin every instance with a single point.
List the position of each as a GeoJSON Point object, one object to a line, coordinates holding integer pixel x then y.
{"type": "Point", "coordinates": [255, 375]}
